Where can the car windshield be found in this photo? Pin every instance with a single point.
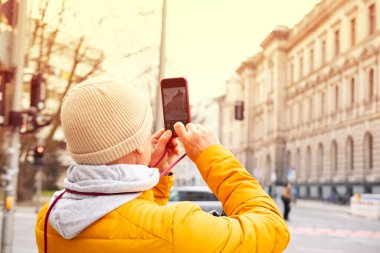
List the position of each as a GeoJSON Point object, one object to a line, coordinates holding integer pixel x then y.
{"type": "Point", "coordinates": [192, 196]}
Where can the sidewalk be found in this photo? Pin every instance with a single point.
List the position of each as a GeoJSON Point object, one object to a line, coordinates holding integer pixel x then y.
{"type": "Point", "coordinates": [23, 229]}
{"type": "Point", "coordinates": [321, 206]}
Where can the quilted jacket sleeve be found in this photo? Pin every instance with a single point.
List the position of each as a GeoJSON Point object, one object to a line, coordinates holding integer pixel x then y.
{"type": "Point", "coordinates": [161, 191]}
{"type": "Point", "coordinates": [254, 223]}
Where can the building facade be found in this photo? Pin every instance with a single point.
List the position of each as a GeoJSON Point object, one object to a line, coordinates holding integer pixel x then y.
{"type": "Point", "coordinates": [312, 103]}
{"type": "Point", "coordinates": [6, 58]}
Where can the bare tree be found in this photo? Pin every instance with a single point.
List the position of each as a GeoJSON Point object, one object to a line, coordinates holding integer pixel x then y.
{"type": "Point", "coordinates": [79, 57]}
{"type": "Point", "coordinates": [45, 44]}
{"type": "Point", "coordinates": [45, 40]}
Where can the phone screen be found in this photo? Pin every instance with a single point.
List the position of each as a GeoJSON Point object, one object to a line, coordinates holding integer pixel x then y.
{"type": "Point", "coordinates": [175, 103]}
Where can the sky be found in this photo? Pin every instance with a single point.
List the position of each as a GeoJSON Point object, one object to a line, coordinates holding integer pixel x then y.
{"type": "Point", "coordinates": [206, 40]}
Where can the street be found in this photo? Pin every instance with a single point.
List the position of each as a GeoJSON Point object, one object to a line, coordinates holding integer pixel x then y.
{"type": "Point", "coordinates": [316, 227]}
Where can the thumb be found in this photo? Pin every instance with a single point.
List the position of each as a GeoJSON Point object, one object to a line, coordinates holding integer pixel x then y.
{"type": "Point", "coordinates": [181, 130]}
{"type": "Point", "coordinates": [163, 141]}
{"type": "Point", "coordinates": [156, 136]}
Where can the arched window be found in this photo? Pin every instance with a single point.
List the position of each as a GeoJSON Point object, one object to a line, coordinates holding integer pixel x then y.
{"type": "Point", "coordinates": [320, 160]}
{"type": "Point", "coordinates": [308, 162]}
{"type": "Point", "coordinates": [288, 160]}
{"type": "Point", "coordinates": [352, 98]}
{"type": "Point", "coordinates": [298, 160]}
{"type": "Point", "coordinates": [334, 157]}
{"type": "Point", "coordinates": [322, 105]}
{"type": "Point", "coordinates": [368, 151]}
{"type": "Point", "coordinates": [336, 98]}
{"type": "Point", "coordinates": [310, 108]}
{"type": "Point", "coordinates": [371, 84]}
{"type": "Point", "coordinates": [350, 154]}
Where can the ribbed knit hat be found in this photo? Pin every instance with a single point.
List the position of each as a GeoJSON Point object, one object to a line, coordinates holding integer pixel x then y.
{"type": "Point", "coordinates": [104, 119]}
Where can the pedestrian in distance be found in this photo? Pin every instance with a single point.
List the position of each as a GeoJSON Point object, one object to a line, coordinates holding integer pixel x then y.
{"type": "Point", "coordinates": [286, 198]}
{"type": "Point", "coordinates": [115, 198]}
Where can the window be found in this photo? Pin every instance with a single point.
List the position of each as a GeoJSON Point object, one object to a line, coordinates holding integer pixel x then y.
{"type": "Point", "coordinates": [301, 67]}
{"type": "Point", "coordinates": [337, 42]}
{"type": "Point", "coordinates": [323, 47]}
{"type": "Point", "coordinates": [310, 108]}
{"type": "Point", "coordinates": [298, 160]}
{"type": "Point", "coordinates": [368, 151]}
{"type": "Point", "coordinates": [258, 93]}
{"type": "Point", "coordinates": [291, 73]}
{"type": "Point", "coordinates": [371, 80]}
{"type": "Point", "coordinates": [308, 162]}
{"type": "Point", "coordinates": [311, 60]}
{"type": "Point", "coordinates": [372, 18]}
{"type": "Point", "coordinates": [289, 160]}
{"type": "Point", "coordinates": [352, 100]}
{"type": "Point", "coordinates": [353, 31]}
{"type": "Point", "coordinates": [334, 156]}
{"type": "Point", "coordinates": [336, 98]}
{"type": "Point", "coordinates": [300, 113]}
{"type": "Point", "coordinates": [322, 104]}
{"type": "Point", "coordinates": [350, 154]}
{"type": "Point", "coordinates": [268, 163]}
{"type": "Point", "coordinates": [320, 160]}
{"type": "Point", "coordinates": [271, 78]}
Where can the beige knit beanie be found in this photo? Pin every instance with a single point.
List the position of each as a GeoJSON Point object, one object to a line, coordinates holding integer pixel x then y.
{"type": "Point", "coordinates": [104, 119]}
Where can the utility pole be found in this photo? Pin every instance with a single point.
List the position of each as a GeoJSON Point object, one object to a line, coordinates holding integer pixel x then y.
{"type": "Point", "coordinates": [12, 165]}
{"type": "Point", "coordinates": [158, 117]}
{"type": "Point", "coordinates": [38, 160]}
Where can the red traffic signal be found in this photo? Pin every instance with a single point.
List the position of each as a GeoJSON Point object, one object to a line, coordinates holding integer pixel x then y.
{"type": "Point", "coordinates": [39, 152]}
{"type": "Point", "coordinates": [40, 149]}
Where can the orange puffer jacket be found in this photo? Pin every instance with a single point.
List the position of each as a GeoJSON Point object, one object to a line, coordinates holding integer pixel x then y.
{"type": "Point", "coordinates": [146, 224]}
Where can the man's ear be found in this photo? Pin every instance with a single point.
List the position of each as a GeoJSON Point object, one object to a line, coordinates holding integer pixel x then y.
{"type": "Point", "coordinates": [140, 150]}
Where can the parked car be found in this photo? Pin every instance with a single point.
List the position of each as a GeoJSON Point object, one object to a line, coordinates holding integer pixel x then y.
{"type": "Point", "coordinates": [200, 195]}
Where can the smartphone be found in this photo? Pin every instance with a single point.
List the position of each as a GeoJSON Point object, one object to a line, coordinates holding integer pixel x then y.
{"type": "Point", "coordinates": [175, 102]}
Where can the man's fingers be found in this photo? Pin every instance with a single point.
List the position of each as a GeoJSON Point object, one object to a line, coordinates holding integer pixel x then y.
{"type": "Point", "coordinates": [191, 127]}
{"type": "Point", "coordinates": [163, 141]}
{"type": "Point", "coordinates": [175, 142]}
{"type": "Point", "coordinates": [158, 134]}
{"type": "Point", "coordinates": [175, 150]}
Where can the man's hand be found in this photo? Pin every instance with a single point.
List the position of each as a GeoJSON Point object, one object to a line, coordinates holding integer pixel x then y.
{"type": "Point", "coordinates": [161, 140]}
{"type": "Point", "coordinates": [195, 138]}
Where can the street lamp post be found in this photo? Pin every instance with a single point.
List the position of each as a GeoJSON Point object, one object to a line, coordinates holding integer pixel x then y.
{"type": "Point", "coordinates": [161, 72]}
{"type": "Point", "coordinates": [12, 165]}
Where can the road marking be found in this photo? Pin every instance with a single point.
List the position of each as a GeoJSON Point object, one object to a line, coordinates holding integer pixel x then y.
{"type": "Point", "coordinates": [309, 231]}
{"type": "Point", "coordinates": [314, 250]}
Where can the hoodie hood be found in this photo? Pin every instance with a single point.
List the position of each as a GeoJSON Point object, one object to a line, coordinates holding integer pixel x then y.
{"type": "Point", "coordinates": [74, 212]}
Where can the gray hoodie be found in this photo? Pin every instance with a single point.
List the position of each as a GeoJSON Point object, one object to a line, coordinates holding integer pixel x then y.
{"type": "Point", "coordinates": [74, 212]}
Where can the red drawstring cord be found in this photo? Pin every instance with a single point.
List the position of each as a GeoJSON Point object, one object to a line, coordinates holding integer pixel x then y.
{"type": "Point", "coordinates": [98, 194]}
{"type": "Point", "coordinates": [165, 172]}
{"type": "Point", "coordinates": [159, 160]}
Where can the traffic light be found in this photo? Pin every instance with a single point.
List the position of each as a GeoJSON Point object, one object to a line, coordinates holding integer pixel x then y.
{"type": "Point", "coordinates": [239, 110]}
{"type": "Point", "coordinates": [38, 155]}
